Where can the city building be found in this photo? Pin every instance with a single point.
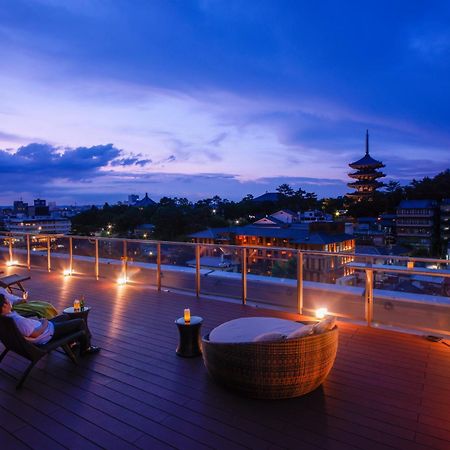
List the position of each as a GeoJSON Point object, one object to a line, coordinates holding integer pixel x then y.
{"type": "Point", "coordinates": [445, 227]}
{"type": "Point", "coordinates": [313, 236]}
{"type": "Point", "coordinates": [41, 225]}
{"type": "Point", "coordinates": [416, 222]}
{"type": "Point", "coordinates": [20, 207]}
{"type": "Point", "coordinates": [132, 199]}
{"type": "Point", "coordinates": [38, 209]}
{"type": "Point", "coordinates": [366, 175]}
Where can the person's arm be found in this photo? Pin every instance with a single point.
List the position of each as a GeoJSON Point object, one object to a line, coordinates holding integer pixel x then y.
{"type": "Point", "coordinates": [14, 299]}
{"type": "Point", "coordinates": [39, 330]}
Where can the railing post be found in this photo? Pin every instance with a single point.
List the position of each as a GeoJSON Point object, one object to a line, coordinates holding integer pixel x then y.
{"type": "Point", "coordinates": [197, 270]}
{"type": "Point", "coordinates": [28, 252]}
{"type": "Point", "coordinates": [125, 261]}
{"type": "Point", "coordinates": [244, 276]}
{"type": "Point", "coordinates": [49, 263]}
{"type": "Point", "coordinates": [369, 296]}
{"type": "Point", "coordinates": [158, 266]}
{"type": "Point", "coordinates": [10, 250]}
{"type": "Point", "coordinates": [71, 255]}
{"type": "Point", "coordinates": [300, 282]}
{"type": "Point", "coordinates": [97, 271]}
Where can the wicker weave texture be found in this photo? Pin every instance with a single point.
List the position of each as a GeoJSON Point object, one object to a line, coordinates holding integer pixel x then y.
{"type": "Point", "coordinates": [272, 370]}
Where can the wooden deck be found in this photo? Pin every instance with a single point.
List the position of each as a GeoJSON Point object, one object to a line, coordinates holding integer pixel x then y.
{"type": "Point", "coordinates": [387, 390]}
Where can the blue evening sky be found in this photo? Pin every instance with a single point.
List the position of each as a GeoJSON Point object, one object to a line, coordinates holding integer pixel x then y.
{"type": "Point", "coordinates": [103, 98]}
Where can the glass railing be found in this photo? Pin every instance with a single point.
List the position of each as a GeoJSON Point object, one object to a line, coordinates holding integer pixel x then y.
{"type": "Point", "coordinates": [383, 290]}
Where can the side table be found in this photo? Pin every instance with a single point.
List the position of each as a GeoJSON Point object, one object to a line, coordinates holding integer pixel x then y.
{"type": "Point", "coordinates": [189, 345]}
{"type": "Point", "coordinates": [80, 315]}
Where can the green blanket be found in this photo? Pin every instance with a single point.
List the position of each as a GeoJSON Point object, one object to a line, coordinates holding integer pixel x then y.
{"type": "Point", "coordinates": [42, 310]}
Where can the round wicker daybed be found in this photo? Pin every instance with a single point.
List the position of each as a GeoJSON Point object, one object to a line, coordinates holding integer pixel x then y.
{"type": "Point", "coordinates": [272, 370]}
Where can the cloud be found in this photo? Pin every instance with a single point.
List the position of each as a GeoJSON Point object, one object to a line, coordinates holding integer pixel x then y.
{"type": "Point", "coordinates": [40, 164]}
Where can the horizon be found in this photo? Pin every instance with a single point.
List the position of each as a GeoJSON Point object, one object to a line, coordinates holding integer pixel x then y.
{"type": "Point", "coordinates": [99, 100]}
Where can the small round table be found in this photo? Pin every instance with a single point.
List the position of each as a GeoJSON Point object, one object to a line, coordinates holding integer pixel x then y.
{"type": "Point", "coordinates": [190, 344]}
{"type": "Point", "coordinates": [82, 314]}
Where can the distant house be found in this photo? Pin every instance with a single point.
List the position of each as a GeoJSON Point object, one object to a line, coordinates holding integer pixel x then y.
{"type": "Point", "coordinates": [315, 215]}
{"type": "Point", "coordinates": [285, 215]}
{"type": "Point", "coordinates": [269, 220]}
{"type": "Point", "coordinates": [144, 231]}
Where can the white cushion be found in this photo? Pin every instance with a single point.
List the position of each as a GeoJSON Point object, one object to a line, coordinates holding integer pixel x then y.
{"type": "Point", "coordinates": [246, 329]}
{"type": "Point", "coordinates": [272, 336]}
{"type": "Point", "coordinates": [305, 330]}
{"type": "Point", "coordinates": [325, 325]}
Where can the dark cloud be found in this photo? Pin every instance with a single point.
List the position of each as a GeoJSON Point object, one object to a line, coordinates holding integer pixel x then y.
{"type": "Point", "coordinates": [35, 166]}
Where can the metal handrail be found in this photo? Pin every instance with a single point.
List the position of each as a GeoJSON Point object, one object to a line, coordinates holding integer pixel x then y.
{"type": "Point", "coordinates": [369, 268]}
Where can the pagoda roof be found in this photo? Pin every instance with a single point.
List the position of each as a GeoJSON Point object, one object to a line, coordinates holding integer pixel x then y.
{"type": "Point", "coordinates": [366, 161]}
{"type": "Point", "coordinates": [374, 174]}
{"type": "Point", "coordinates": [358, 194]}
{"type": "Point", "coordinates": [365, 183]}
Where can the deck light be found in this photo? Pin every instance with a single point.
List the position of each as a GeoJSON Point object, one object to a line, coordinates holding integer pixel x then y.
{"type": "Point", "coordinates": [187, 315]}
{"type": "Point", "coordinates": [321, 313]}
{"type": "Point", "coordinates": [67, 272]}
{"type": "Point", "coordinates": [12, 262]}
{"type": "Point", "coordinates": [122, 280]}
{"type": "Point", "coordinates": [410, 264]}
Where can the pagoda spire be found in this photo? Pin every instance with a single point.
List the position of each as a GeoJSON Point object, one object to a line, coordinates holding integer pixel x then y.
{"type": "Point", "coordinates": [367, 142]}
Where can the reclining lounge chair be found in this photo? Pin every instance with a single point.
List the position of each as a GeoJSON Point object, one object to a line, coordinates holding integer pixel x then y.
{"type": "Point", "coordinates": [13, 340]}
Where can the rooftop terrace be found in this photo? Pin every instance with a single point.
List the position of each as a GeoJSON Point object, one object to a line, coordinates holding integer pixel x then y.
{"type": "Point", "coordinates": [386, 390]}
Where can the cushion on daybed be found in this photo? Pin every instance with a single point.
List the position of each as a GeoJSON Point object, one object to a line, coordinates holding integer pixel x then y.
{"type": "Point", "coordinates": [324, 325]}
{"type": "Point", "coordinates": [305, 330]}
{"type": "Point", "coordinates": [246, 329]}
{"type": "Point", "coordinates": [272, 336]}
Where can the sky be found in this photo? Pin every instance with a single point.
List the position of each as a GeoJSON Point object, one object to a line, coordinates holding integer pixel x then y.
{"type": "Point", "coordinates": [100, 99]}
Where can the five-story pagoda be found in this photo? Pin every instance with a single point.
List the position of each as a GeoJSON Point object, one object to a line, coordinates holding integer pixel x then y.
{"type": "Point", "coordinates": [366, 175]}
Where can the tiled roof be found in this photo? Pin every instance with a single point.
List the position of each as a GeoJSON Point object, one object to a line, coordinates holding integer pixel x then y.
{"type": "Point", "coordinates": [267, 197]}
{"type": "Point", "coordinates": [365, 161]}
{"type": "Point", "coordinates": [406, 204]}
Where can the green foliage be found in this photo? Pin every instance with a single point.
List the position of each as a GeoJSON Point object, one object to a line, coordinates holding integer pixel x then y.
{"type": "Point", "coordinates": [176, 218]}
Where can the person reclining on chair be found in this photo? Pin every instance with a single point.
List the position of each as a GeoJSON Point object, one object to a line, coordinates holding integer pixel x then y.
{"type": "Point", "coordinates": [29, 308]}
{"type": "Point", "coordinates": [43, 331]}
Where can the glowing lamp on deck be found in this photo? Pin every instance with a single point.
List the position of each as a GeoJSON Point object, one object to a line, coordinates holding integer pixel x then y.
{"type": "Point", "coordinates": [187, 315]}
{"type": "Point", "coordinates": [410, 264]}
{"type": "Point", "coordinates": [321, 313]}
{"type": "Point", "coordinates": [122, 280]}
{"type": "Point", "coordinates": [11, 263]}
{"type": "Point", "coordinates": [67, 272]}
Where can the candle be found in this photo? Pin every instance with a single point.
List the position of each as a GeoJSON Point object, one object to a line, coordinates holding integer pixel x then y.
{"type": "Point", "coordinates": [187, 315]}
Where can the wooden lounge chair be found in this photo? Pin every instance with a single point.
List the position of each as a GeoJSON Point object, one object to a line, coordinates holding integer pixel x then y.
{"type": "Point", "coordinates": [14, 281]}
{"type": "Point", "coordinates": [13, 341]}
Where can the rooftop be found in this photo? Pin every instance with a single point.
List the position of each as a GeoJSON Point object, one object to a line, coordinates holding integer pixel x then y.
{"type": "Point", "coordinates": [387, 390]}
